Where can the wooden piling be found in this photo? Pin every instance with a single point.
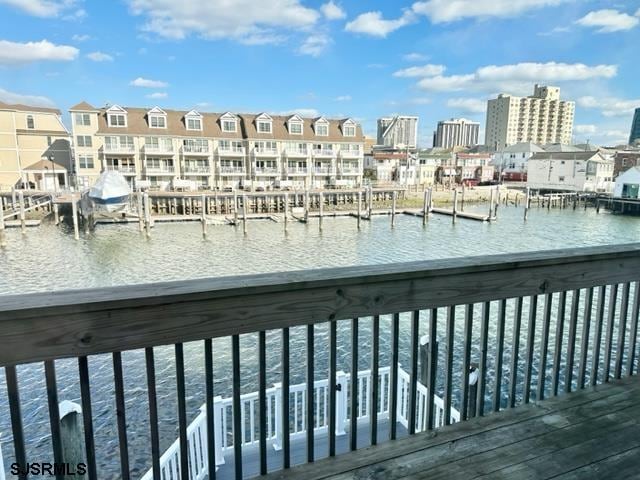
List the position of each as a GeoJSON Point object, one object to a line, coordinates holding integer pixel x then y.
{"type": "Point", "coordinates": [147, 214]}
{"type": "Point", "coordinates": [370, 202]}
{"type": "Point", "coordinates": [286, 211]}
{"type": "Point", "coordinates": [462, 199]}
{"type": "Point", "coordinates": [235, 208]}
{"type": "Point", "coordinates": [3, 241]}
{"type": "Point", "coordinates": [359, 208]}
{"type": "Point", "coordinates": [140, 208]}
{"type": "Point", "coordinates": [306, 206]}
{"type": "Point", "coordinates": [244, 214]}
{"type": "Point", "coordinates": [74, 215]}
{"type": "Point", "coordinates": [23, 224]}
{"type": "Point", "coordinates": [71, 436]}
{"type": "Point", "coordinates": [13, 198]}
{"type": "Point", "coordinates": [393, 208]}
{"type": "Point", "coordinates": [490, 203]}
{"type": "Point", "coordinates": [203, 215]}
{"type": "Point", "coordinates": [321, 207]}
{"type": "Point", "coordinates": [497, 204]}
{"type": "Point", "coordinates": [527, 199]}
{"type": "Point", "coordinates": [425, 207]}
{"type": "Point", "coordinates": [56, 213]}
{"type": "Point", "coordinates": [455, 205]}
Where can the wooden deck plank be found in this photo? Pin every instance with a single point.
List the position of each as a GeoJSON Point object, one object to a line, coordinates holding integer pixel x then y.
{"type": "Point", "coordinates": [622, 465]}
{"type": "Point", "coordinates": [515, 436]}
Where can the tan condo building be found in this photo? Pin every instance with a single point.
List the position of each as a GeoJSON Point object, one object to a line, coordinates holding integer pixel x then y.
{"type": "Point", "coordinates": [35, 150]}
{"type": "Point", "coordinates": [540, 118]}
{"type": "Point", "coordinates": [153, 147]}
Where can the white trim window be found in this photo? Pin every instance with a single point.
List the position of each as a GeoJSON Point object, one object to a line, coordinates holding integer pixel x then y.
{"type": "Point", "coordinates": [349, 130]}
{"type": "Point", "coordinates": [117, 119]}
{"type": "Point", "coordinates": [157, 121]}
{"type": "Point", "coordinates": [85, 161]}
{"type": "Point", "coordinates": [322, 130]}
{"type": "Point", "coordinates": [295, 128]}
{"type": "Point", "coordinates": [31, 124]}
{"type": "Point", "coordinates": [264, 126]}
{"type": "Point", "coordinates": [229, 126]}
{"type": "Point", "coordinates": [84, 141]}
{"type": "Point", "coordinates": [194, 124]}
{"type": "Point", "coordinates": [83, 119]}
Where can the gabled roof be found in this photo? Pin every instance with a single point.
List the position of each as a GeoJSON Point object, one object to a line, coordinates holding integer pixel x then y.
{"type": "Point", "coordinates": [116, 108]}
{"type": "Point", "coordinates": [523, 147]}
{"type": "Point", "coordinates": [157, 111]}
{"type": "Point", "coordinates": [193, 113]}
{"type": "Point", "coordinates": [45, 164]}
{"type": "Point", "coordinates": [229, 115]}
{"type": "Point", "coordinates": [294, 118]}
{"type": "Point", "coordinates": [20, 107]}
{"type": "Point", "coordinates": [321, 120]}
{"type": "Point", "coordinates": [264, 116]}
{"type": "Point", "coordinates": [560, 147]}
{"type": "Point", "coordinates": [83, 107]}
{"type": "Point", "coordinates": [348, 121]}
{"type": "Point", "coordinates": [581, 156]}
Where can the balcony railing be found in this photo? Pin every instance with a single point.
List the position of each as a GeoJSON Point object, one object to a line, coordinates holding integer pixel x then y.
{"type": "Point", "coordinates": [350, 153]}
{"type": "Point", "coordinates": [575, 309]}
{"type": "Point", "coordinates": [323, 170]}
{"type": "Point", "coordinates": [160, 170]}
{"type": "Point", "coordinates": [122, 168]}
{"type": "Point", "coordinates": [297, 171]}
{"type": "Point", "coordinates": [321, 152]}
{"type": "Point", "coordinates": [266, 171]}
{"type": "Point", "coordinates": [230, 150]}
{"type": "Point", "coordinates": [294, 152]}
{"type": "Point", "coordinates": [119, 148]}
{"type": "Point", "coordinates": [193, 169]}
{"type": "Point", "coordinates": [195, 149]}
{"type": "Point", "coordinates": [232, 170]}
{"type": "Point", "coordinates": [349, 170]}
{"type": "Point", "coordinates": [158, 149]}
{"type": "Point", "coordinates": [265, 151]}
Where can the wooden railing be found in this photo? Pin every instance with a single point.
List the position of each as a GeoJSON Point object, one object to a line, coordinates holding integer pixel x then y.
{"type": "Point", "coordinates": [596, 289]}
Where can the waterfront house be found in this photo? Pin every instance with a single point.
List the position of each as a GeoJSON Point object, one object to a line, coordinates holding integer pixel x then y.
{"type": "Point", "coordinates": [627, 184]}
{"type": "Point", "coordinates": [163, 147]}
{"type": "Point", "coordinates": [570, 172]}
{"type": "Point", "coordinates": [624, 160]}
{"type": "Point", "coordinates": [511, 162]}
{"type": "Point", "coordinates": [33, 143]}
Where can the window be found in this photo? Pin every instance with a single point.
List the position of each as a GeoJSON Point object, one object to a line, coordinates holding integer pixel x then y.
{"type": "Point", "coordinates": [49, 141]}
{"type": "Point", "coordinates": [157, 121]}
{"type": "Point", "coordinates": [561, 179]}
{"type": "Point", "coordinates": [84, 141]}
{"type": "Point", "coordinates": [228, 125]}
{"type": "Point", "coordinates": [264, 127]}
{"type": "Point", "coordinates": [117, 120]}
{"type": "Point", "coordinates": [349, 131]}
{"type": "Point", "coordinates": [85, 161]}
{"type": "Point", "coordinates": [30, 122]}
{"type": "Point", "coordinates": [194, 124]}
{"type": "Point", "coordinates": [322, 130]}
{"type": "Point", "coordinates": [295, 128]}
{"type": "Point", "coordinates": [83, 119]}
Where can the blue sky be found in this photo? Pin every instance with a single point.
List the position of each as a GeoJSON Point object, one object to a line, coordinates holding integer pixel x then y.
{"type": "Point", "coordinates": [365, 59]}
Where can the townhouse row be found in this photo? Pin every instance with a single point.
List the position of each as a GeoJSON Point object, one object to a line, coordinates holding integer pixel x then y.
{"type": "Point", "coordinates": [171, 148]}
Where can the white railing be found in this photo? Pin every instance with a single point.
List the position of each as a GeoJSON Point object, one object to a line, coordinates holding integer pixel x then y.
{"type": "Point", "coordinates": [158, 149]}
{"type": "Point", "coordinates": [266, 171]}
{"type": "Point", "coordinates": [122, 168]}
{"type": "Point", "coordinates": [232, 170]}
{"type": "Point", "coordinates": [296, 152]}
{"type": "Point", "coordinates": [188, 169]}
{"type": "Point", "coordinates": [322, 152]}
{"type": "Point", "coordinates": [323, 170]}
{"type": "Point", "coordinates": [195, 149]}
{"type": "Point", "coordinates": [296, 171]}
{"type": "Point", "coordinates": [119, 148]}
{"type": "Point", "coordinates": [350, 153]}
{"type": "Point", "coordinates": [249, 406]}
{"type": "Point", "coordinates": [265, 151]}
{"type": "Point", "coordinates": [231, 150]}
{"type": "Point", "coordinates": [160, 169]}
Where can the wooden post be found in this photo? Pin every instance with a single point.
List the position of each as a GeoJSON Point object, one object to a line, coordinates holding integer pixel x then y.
{"type": "Point", "coordinates": [462, 200]}
{"type": "Point", "coordinates": [393, 208]}
{"type": "Point", "coordinates": [203, 215]}
{"type": "Point", "coordinates": [370, 204]}
{"type": "Point", "coordinates": [235, 208]}
{"type": "Point", "coordinates": [74, 214]}
{"type": "Point", "coordinates": [244, 213]}
{"type": "Point", "coordinates": [527, 199]}
{"type": "Point", "coordinates": [56, 214]}
{"type": "Point", "coordinates": [359, 207]}
{"type": "Point", "coordinates": [140, 211]}
{"type": "Point", "coordinates": [490, 203]}
{"type": "Point", "coordinates": [3, 241]}
{"type": "Point", "coordinates": [497, 204]}
{"type": "Point", "coordinates": [71, 436]}
{"type": "Point", "coordinates": [473, 390]}
{"type": "Point", "coordinates": [321, 207]}
{"type": "Point", "coordinates": [306, 205]}
{"type": "Point", "coordinates": [13, 198]}
{"type": "Point", "coordinates": [455, 205]}
{"type": "Point", "coordinates": [23, 225]}
{"type": "Point", "coordinates": [286, 211]}
{"type": "Point", "coordinates": [147, 214]}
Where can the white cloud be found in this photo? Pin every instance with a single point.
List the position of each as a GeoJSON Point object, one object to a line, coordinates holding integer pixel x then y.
{"type": "Point", "coordinates": [608, 20]}
{"type": "Point", "coordinates": [439, 11]}
{"type": "Point", "coordinates": [582, 129]}
{"type": "Point", "coordinates": [146, 83]}
{"type": "Point", "coordinates": [244, 20]}
{"type": "Point", "coordinates": [343, 98]}
{"type": "Point", "coordinates": [609, 106]}
{"type": "Point", "coordinates": [41, 8]}
{"type": "Point", "coordinates": [314, 45]}
{"type": "Point", "coordinates": [372, 23]}
{"type": "Point", "coordinates": [33, 100]}
{"type": "Point", "coordinates": [428, 70]}
{"type": "Point", "coordinates": [469, 105]}
{"type": "Point", "coordinates": [80, 38]}
{"type": "Point", "coordinates": [516, 77]}
{"type": "Point", "coordinates": [303, 112]}
{"type": "Point", "coordinates": [14, 53]}
{"type": "Point", "coordinates": [100, 57]}
{"type": "Point", "coordinates": [332, 11]}
{"type": "Point", "coordinates": [157, 95]}
{"type": "Point", "coordinates": [415, 57]}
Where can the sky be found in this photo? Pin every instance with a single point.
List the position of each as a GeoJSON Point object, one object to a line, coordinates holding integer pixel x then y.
{"type": "Point", "coordinates": [437, 59]}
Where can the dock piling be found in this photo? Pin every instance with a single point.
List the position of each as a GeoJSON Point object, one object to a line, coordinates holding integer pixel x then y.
{"type": "Point", "coordinates": [425, 207]}
{"type": "Point", "coordinates": [321, 207]}
{"type": "Point", "coordinates": [490, 203]}
{"type": "Point", "coordinates": [203, 217]}
{"type": "Point", "coordinates": [56, 213]}
{"type": "Point", "coordinates": [23, 224]}
{"type": "Point", "coordinates": [286, 212]}
{"type": "Point", "coordinates": [74, 215]}
{"type": "Point", "coordinates": [497, 203]}
{"type": "Point", "coordinates": [306, 205]}
{"type": "Point", "coordinates": [527, 200]}
{"type": "Point", "coordinates": [147, 214]}
{"type": "Point", "coordinates": [455, 205]}
{"type": "Point", "coordinates": [393, 208]}
{"type": "Point", "coordinates": [140, 211]}
{"type": "Point", "coordinates": [3, 241]}
{"type": "Point", "coordinates": [370, 202]}
{"type": "Point", "coordinates": [359, 208]}
{"type": "Point", "coordinates": [244, 214]}
{"type": "Point", "coordinates": [462, 199]}
{"type": "Point", "coordinates": [235, 208]}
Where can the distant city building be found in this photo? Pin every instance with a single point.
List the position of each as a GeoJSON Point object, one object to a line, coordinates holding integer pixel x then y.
{"type": "Point", "coordinates": [635, 128]}
{"type": "Point", "coordinates": [398, 132]}
{"type": "Point", "coordinates": [457, 132]}
{"type": "Point", "coordinates": [570, 172]}
{"type": "Point", "coordinates": [35, 148]}
{"type": "Point", "coordinates": [540, 118]}
{"type": "Point", "coordinates": [624, 160]}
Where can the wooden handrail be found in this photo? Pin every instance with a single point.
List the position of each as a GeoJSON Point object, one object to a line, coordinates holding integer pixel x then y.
{"type": "Point", "coordinates": [45, 326]}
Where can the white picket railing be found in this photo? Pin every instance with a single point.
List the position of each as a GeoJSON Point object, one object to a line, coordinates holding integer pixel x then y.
{"type": "Point", "coordinates": [249, 404]}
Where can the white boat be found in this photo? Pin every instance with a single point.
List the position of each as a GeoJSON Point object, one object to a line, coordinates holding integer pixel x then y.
{"type": "Point", "coordinates": [110, 194]}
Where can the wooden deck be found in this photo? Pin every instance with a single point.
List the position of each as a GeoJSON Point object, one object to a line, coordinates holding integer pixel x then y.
{"type": "Point", "coordinates": [594, 433]}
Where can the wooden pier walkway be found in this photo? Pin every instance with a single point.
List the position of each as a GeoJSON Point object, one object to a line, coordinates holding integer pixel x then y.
{"type": "Point", "coordinates": [594, 433]}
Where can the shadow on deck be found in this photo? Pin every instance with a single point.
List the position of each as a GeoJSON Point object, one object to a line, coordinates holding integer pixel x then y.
{"type": "Point", "coordinates": [593, 433]}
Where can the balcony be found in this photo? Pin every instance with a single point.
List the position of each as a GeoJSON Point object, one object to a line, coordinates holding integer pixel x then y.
{"type": "Point", "coordinates": [164, 170]}
{"type": "Point", "coordinates": [122, 149]}
{"type": "Point", "coordinates": [124, 169]}
{"type": "Point", "coordinates": [194, 170]}
{"type": "Point", "coordinates": [298, 171]}
{"type": "Point", "coordinates": [266, 171]}
{"type": "Point", "coordinates": [321, 152]}
{"type": "Point", "coordinates": [265, 152]}
{"type": "Point", "coordinates": [323, 170]}
{"type": "Point", "coordinates": [587, 298]}
{"type": "Point", "coordinates": [195, 150]}
{"type": "Point", "coordinates": [295, 153]}
{"type": "Point", "coordinates": [158, 149]}
{"type": "Point", "coordinates": [231, 151]}
{"type": "Point", "coordinates": [349, 171]}
{"type": "Point", "coordinates": [232, 170]}
{"type": "Point", "coordinates": [350, 153]}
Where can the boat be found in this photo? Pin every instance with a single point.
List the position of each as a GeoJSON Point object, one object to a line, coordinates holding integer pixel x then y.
{"type": "Point", "coordinates": [110, 194]}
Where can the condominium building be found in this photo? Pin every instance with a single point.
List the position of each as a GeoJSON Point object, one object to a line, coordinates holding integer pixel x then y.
{"type": "Point", "coordinates": [634, 137]}
{"type": "Point", "coordinates": [162, 148]}
{"type": "Point", "coordinates": [398, 132]}
{"type": "Point", "coordinates": [540, 118]}
{"type": "Point", "coordinates": [35, 148]}
{"type": "Point", "coordinates": [457, 132]}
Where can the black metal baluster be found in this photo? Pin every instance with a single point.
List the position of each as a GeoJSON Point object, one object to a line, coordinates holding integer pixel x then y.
{"type": "Point", "coordinates": [584, 344]}
{"type": "Point", "coordinates": [484, 337]}
{"type": "Point", "coordinates": [497, 393]}
{"type": "Point", "coordinates": [353, 419]}
{"type": "Point", "coordinates": [608, 343]}
{"type": "Point", "coordinates": [121, 415]}
{"type": "Point", "coordinates": [393, 377]}
{"type": "Point", "coordinates": [182, 412]}
{"type": "Point", "coordinates": [448, 373]}
{"type": "Point", "coordinates": [153, 411]}
{"type": "Point", "coordinates": [531, 337]}
{"type": "Point", "coordinates": [544, 345]}
{"type": "Point", "coordinates": [413, 387]}
{"type": "Point", "coordinates": [557, 354]}
{"type": "Point", "coordinates": [571, 346]}
{"type": "Point", "coordinates": [87, 417]}
{"type": "Point", "coordinates": [54, 412]}
{"type": "Point", "coordinates": [375, 347]}
{"type": "Point", "coordinates": [286, 444]}
{"type": "Point", "coordinates": [310, 394]}
{"type": "Point", "coordinates": [633, 331]}
{"type": "Point", "coordinates": [622, 329]}
{"type": "Point", "coordinates": [466, 359]}
{"type": "Point", "coordinates": [333, 360]}
{"type": "Point", "coordinates": [597, 338]}
{"type": "Point", "coordinates": [237, 407]}
{"type": "Point", "coordinates": [515, 347]}
{"type": "Point", "coordinates": [211, 436]}
{"type": "Point", "coordinates": [262, 400]}
{"type": "Point", "coordinates": [13, 394]}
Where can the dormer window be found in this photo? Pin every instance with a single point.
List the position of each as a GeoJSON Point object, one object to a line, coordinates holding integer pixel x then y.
{"type": "Point", "coordinates": [322, 127]}
{"type": "Point", "coordinates": [229, 123]}
{"type": "Point", "coordinates": [295, 125]}
{"type": "Point", "coordinates": [349, 128]}
{"type": "Point", "coordinates": [193, 120]}
{"type": "Point", "coordinates": [116, 116]}
{"type": "Point", "coordinates": [157, 118]}
{"type": "Point", "coordinates": [264, 123]}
